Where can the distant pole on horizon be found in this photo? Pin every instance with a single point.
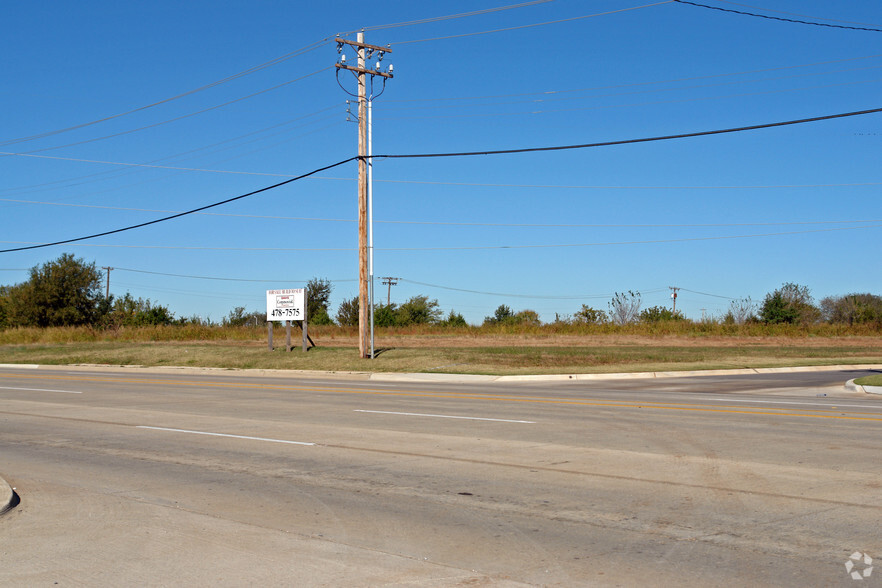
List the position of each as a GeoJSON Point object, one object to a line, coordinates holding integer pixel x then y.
{"type": "Point", "coordinates": [389, 281]}
{"type": "Point", "coordinates": [674, 297]}
{"type": "Point", "coordinates": [363, 52]}
{"type": "Point", "coordinates": [107, 292]}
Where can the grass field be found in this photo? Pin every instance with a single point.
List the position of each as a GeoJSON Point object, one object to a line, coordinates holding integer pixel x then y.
{"type": "Point", "coordinates": [870, 381]}
{"type": "Point", "coordinates": [470, 351]}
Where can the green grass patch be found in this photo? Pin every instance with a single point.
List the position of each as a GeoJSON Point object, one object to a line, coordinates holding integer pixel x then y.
{"type": "Point", "coordinates": [870, 381]}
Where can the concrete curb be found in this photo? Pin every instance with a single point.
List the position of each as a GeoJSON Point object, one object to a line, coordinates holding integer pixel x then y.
{"type": "Point", "coordinates": [6, 496]}
{"type": "Point", "coordinates": [442, 377]}
{"type": "Point", "coordinates": [852, 387]}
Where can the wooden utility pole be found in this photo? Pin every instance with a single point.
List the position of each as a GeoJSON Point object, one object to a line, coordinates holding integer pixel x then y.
{"type": "Point", "coordinates": [389, 281]}
{"type": "Point", "coordinates": [363, 50]}
{"type": "Point", "coordinates": [107, 292]}
{"type": "Point", "coordinates": [674, 297]}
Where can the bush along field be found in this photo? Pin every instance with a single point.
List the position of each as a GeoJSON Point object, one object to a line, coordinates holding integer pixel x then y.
{"type": "Point", "coordinates": [61, 315]}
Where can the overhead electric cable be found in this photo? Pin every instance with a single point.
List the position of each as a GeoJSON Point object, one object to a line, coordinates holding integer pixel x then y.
{"type": "Point", "coordinates": [766, 16]}
{"type": "Point", "coordinates": [706, 294]}
{"type": "Point", "coordinates": [464, 154]}
{"type": "Point", "coordinates": [167, 218]}
{"type": "Point", "coordinates": [527, 26]}
{"type": "Point", "coordinates": [177, 118]}
{"type": "Point", "coordinates": [632, 84]}
{"type": "Point", "coordinates": [520, 295]}
{"type": "Point", "coordinates": [794, 13]}
{"type": "Point", "coordinates": [630, 104]}
{"type": "Point", "coordinates": [243, 73]}
{"type": "Point", "coordinates": [145, 165]}
{"type": "Point", "coordinates": [31, 187]}
{"type": "Point", "coordinates": [632, 141]}
{"type": "Point", "coordinates": [471, 224]}
{"type": "Point", "coordinates": [410, 23]}
{"type": "Point", "coordinates": [553, 96]}
{"type": "Point", "coordinates": [126, 269]}
{"type": "Point", "coordinates": [456, 248]}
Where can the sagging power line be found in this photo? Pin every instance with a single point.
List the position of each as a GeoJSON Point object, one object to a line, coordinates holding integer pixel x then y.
{"type": "Point", "coordinates": [362, 158]}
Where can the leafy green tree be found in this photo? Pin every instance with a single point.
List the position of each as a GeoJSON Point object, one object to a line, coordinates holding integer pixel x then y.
{"type": "Point", "coordinates": [505, 316]}
{"type": "Point", "coordinates": [526, 317]}
{"type": "Point", "coordinates": [789, 304]}
{"type": "Point", "coordinates": [137, 312]}
{"type": "Point", "coordinates": [5, 293]}
{"type": "Point", "coordinates": [347, 312]}
{"type": "Point", "coordinates": [853, 309]}
{"type": "Point", "coordinates": [318, 295]}
{"type": "Point", "coordinates": [418, 310]}
{"type": "Point", "coordinates": [386, 315]}
{"type": "Point", "coordinates": [590, 316]}
{"type": "Point", "coordinates": [501, 315]}
{"type": "Point", "coordinates": [455, 319]}
{"type": "Point", "coordinates": [657, 314]}
{"type": "Point", "coordinates": [63, 292]}
{"type": "Point", "coordinates": [238, 317]}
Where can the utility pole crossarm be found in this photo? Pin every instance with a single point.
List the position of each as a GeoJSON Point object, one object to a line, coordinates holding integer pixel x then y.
{"type": "Point", "coordinates": [371, 49]}
{"type": "Point", "coordinates": [373, 72]}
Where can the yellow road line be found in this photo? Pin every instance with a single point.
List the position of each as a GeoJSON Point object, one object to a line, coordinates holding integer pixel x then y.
{"type": "Point", "coordinates": [688, 407]}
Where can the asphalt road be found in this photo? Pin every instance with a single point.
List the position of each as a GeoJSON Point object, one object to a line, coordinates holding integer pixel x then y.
{"type": "Point", "coordinates": [226, 480]}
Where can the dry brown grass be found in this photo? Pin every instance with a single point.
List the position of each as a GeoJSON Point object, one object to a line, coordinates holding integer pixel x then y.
{"type": "Point", "coordinates": [472, 350]}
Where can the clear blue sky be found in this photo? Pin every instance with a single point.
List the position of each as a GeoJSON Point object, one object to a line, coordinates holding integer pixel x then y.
{"type": "Point", "coordinates": [558, 229]}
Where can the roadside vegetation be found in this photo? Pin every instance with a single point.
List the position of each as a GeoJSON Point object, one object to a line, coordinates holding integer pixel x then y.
{"type": "Point", "coordinates": [61, 315]}
{"type": "Point", "coordinates": [870, 381]}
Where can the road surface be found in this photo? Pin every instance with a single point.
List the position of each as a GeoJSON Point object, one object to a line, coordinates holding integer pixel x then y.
{"type": "Point", "coordinates": [226, 479]}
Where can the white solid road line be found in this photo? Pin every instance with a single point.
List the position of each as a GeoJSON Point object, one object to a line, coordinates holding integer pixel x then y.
{"type": "Point", "coordinates": [224, 435]}
{"type": "Point", "coordinates": [444, 416]}
{"type": "Point", "coordinates": [823, 404]}
{"type": "Point", "coordinates": [39, 390]}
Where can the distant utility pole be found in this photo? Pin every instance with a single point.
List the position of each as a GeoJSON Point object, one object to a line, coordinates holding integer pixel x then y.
{"type": "Point", "coordinates": [107, 293]}
{"type": "Point", "coordinates": [389, 281]}
{"type": "Point", "coordinates": [674, 297]}
{"type": "Point", "coordinates": [364, 51]}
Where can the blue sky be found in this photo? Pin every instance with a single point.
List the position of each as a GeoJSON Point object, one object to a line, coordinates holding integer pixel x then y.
{"type": "Point", "coordinates": [722, 217]}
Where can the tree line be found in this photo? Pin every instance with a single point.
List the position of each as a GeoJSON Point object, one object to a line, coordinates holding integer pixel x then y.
{"type": "Point", "coordinates": [68, 292]}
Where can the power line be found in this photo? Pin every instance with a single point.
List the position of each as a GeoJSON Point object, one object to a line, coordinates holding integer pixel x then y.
{"type": "Point", "coordinates": [633, 84]}
{"type": "Point", "coordinates": [632, 141]}
{"type": "Point", "coordinates": [794, 14]}
{"type": "Point", "coordinates": [527, 26]}
{"type": "Point", "coordinates": [521, 295]}
{"type": "Point", "coordinates": [555, 98]}
{"type": "Point", "coordinates": [243, 73]}
{"type": "Point", "coordinates": [168, 157]}
{"type": "Point", "coordinates": [126, 269]}
{"type": "Point", "coordinates": [456, 248]}
{"type": "Point", "coordinates": [153, 222]}
{"type": "Point", "coordinates": [805, 22]}
{"type": "Point", "coordinates": [533, 112]}
{"type": "Point", "coordinates": [450, 16]}
{"type": "Point", "coordinates": [479, 224]}
{"type": "Point", "coordinates": [177, 118]}
{"type": "Point", "coordinates": [464, 154]}
{"type": "Point", "coordinates": [706, 294]}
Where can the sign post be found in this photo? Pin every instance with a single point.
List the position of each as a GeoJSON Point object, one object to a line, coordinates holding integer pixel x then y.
{"type": "Point", "coordinates": [287, 306]}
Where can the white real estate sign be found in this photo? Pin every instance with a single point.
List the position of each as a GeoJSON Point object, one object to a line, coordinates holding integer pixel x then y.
{"type": "Point", "coordinates": [286, 305]}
